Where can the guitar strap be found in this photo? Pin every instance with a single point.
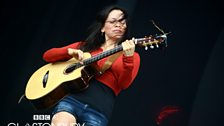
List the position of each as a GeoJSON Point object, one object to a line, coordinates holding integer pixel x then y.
{"type": "Point", "coordinates": [109, 61]}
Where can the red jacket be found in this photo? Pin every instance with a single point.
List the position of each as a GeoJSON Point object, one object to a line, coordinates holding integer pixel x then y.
{"type": "Point", "coordinates": [121, 74]}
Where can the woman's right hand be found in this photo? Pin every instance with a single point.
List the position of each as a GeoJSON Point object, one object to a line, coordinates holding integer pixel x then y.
{"type": "Point", "coordinates": [76, 53]}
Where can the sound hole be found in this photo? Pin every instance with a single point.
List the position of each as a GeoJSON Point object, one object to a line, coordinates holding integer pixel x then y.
{"type": "Point", "coordinates": [72, 67]}
{"type": "Point", "coordinates": [45, 78]}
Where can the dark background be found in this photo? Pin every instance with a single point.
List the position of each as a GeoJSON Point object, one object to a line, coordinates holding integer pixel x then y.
{"type": "Point", "coordinates": [187, 74]}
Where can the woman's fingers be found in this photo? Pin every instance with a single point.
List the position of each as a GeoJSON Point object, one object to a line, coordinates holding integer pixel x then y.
{"type": "Point", "coordinates": [128, 47]}
{"type": "Point", "coordinates": [76, 53]}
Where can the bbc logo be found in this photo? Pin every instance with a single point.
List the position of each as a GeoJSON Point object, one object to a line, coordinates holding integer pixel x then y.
{"type": "Point", "coordinates": [41, 117]}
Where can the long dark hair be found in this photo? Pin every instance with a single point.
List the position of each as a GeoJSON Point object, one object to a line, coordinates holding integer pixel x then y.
{"type": "Point", "coordinates": [95, 38]}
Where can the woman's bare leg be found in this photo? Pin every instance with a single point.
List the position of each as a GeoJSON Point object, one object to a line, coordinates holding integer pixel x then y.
{"type": "Point", "coordinates": [63, 119]}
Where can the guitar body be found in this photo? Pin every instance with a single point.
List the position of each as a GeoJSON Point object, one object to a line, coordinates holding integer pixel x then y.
{"type": "Point", "coordinates": [50, 83]}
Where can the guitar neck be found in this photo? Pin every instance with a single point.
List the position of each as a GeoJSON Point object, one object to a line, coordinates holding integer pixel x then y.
{"type": "Point", "coordinates": [102, 55]}
{"type": "Point", "coordinates": [118, 48]}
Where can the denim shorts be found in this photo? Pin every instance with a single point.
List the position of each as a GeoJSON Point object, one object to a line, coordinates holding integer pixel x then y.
{"type": "Point", "coordinates": [84, 114]}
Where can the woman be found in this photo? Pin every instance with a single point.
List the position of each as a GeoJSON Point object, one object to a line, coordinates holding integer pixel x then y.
{"type": "Point", "coordinates": [93, 106]}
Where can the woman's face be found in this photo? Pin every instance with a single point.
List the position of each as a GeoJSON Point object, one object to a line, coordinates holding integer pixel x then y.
{"type": "Point", "coordinates": [115, 26]}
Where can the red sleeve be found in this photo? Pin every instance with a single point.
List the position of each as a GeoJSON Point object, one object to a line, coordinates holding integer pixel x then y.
{"type": "Point", "coordinates": [59, 54]}
{"type": "Point", "coordinates": [130, 69]}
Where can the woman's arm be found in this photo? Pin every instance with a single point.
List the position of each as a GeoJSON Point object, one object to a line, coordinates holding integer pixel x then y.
{"type": "Point", "coordinates": [59, 54]}
{"type": "Point", "coordinates": [129, 72]}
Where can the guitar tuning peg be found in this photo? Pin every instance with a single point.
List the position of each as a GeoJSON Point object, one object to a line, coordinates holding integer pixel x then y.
{"type": "Point", "coordinates": [151, 46]}
{"type": "Point", "coordinates": [146, 47]}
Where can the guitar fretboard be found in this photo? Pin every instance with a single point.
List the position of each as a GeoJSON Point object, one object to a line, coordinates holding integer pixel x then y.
{"type": "Point", "coordinates": [102, 55]}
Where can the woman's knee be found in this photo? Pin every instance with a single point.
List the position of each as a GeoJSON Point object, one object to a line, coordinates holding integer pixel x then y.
{"type": "Point", "coordinates": [63, 119]}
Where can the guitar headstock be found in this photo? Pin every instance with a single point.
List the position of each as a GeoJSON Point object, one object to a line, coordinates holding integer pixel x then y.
{"type": "Point", "coordinates": [152, 41]}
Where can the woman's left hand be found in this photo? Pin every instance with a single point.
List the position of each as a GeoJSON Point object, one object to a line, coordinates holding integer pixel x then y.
{"type": "Point", "coordinates": [128, 47]}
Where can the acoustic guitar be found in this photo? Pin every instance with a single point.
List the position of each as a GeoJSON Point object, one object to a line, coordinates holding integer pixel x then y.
{"type": "Point", "coordinates": [53, 81]}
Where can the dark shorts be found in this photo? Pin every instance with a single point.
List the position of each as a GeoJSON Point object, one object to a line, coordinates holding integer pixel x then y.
{"type": "Point", "coordinates": [84, 114]}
